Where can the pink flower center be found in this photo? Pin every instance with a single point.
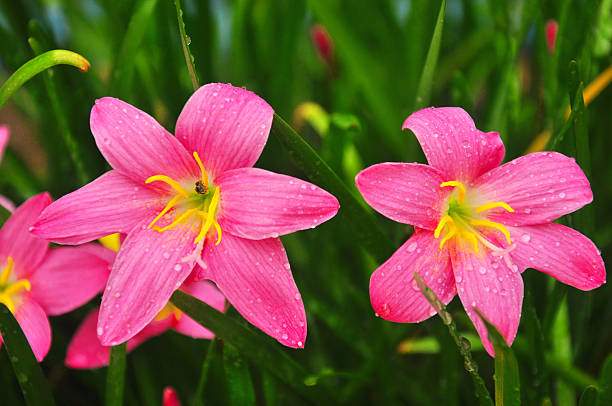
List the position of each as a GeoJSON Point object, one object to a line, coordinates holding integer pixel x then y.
{"type": "Point", "coordinates": [8, 290]}
{"type": "Point", "coordinates": [464, 221]}
{"type": "Point", "coordinates": [199, 204]}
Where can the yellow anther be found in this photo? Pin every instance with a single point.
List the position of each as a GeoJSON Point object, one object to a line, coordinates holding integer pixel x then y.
{"type": "Point", "coordinates": [210, 217]}
{"type": "Point", "coordinates": [441, 225]}
{"type": "Point", "coordinates": [204, 175]}
{"type": "Point", "coordinates": [173, 184]}
{"type": "Point", "coordinates": [459, 186]}
{"type": "Point", "coordinates": [168, 311]}
{"type": "Point", "coordinates": [6, 273]}
{"type": "Point", "coordinates": [448, 235]}
{"type": "Point", "coordinates": [170, 205]}
{"type": "Point", "coordinates": [493, 205]}
{"type": "Point", "coordinates": [491, 224]}
{"type": "Point", "coordinates": [470, 236]}
{"type": "Point", "coordinates": [180, 218]}
{"type": "Point", "coordinates": [110, 241]}
{"type": "Point", "coordinates": [7, 290]}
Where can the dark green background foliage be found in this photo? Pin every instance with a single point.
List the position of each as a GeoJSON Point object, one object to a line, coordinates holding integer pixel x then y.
{"type": "Point", "coordinates": [493, 62]}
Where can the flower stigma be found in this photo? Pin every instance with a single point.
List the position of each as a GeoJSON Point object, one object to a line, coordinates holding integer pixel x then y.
{"type": "Point", "coordinates": [199, 203]}
{"type": "Point", "coordinates": [463, 220]}
{"type": "Point", "coordinates": [8, 289]}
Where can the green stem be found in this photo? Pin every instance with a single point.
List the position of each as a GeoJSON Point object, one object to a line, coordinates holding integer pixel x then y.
{"type": "Point", "coordinates": [185, 40]}
{"type": "Point", "coordinates": [115, 377]}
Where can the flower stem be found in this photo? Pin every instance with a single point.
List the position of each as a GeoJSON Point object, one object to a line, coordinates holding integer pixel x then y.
{"type": "Point", "coordinates": [210, 353]}
{"type": "Point", "coordinates": [115, 376]}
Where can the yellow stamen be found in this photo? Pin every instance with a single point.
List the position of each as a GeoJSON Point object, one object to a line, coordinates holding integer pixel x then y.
{"type": "Point", "coordinates": [170, 205]}
{"type": "Point", "coordinates": [489, 206]}
{"type": "Point", "coordinates": [492, 224]}
{"type": "Point", "coordinates": [7, 271]}
{"type": "Point", "coordinates": [459, 186]}
{"type": "Point", "coordinates": [180, 218]}
{"type": "Point", "coordinates": [218, 228]}
{"type": "Point", "coordinates": [448, 235]}
{"type": "Point", "coordinates": [7, 290]}
{"type": "Point", "coordinates": [110, 241]}
{"type": "Point", "coordinates": [167, 311]}
{"type": "Point", "coordinates": [17, 287]}
{"type": "Point", "coordinates": [470, 236]}
{"type": "Point", "coordinates": [204, 175]}
{"type": "Point", "coordinates": [441, 225]}
{"type": "Point", "coordinates": [210, 218]}
{"type": "Point", "coordinates": [173, 184]}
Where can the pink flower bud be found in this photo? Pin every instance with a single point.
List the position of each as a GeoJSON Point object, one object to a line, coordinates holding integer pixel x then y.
{"type": "Point", "coordinates": [170, 398]}
{"type": "Point", "coordinates": [552, 27]}
{"type": "Point", "coordinates": [322, 42]}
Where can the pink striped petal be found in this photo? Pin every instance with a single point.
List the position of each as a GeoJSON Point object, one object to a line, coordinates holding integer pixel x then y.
{"type": "Point", "coordinates": [110, 204]}
{"type": "Point", "coordinates": [68, 278]}
{"type": "Point", "coordinates": [409, 193]}
{"type": "Point", "coordinates": [35, 325]}
{"type": "Point", "coordinates": [136, 145]}
{"type": "Point", "coordinates": [258, 204]}
{"type": "Point", "coordinates": [560, 252]}
{"type": "Point", "coordinates": [149, 267]}
{"type": "Point", "coordinates": [394, 293]}
{"type": "Point", "coordinates": [255, 277]}
{"type": "Point", "coordinates": [540, 187]}
{"type": "Point", "coordinates": [452, 143]}
{"type": "Point", "coordinates": [226, 125]}
{"type": "Point", "coordinates": [486, 282]}
{"type": "Point", "coordinates": [4, 137]}
{"type": "Point", "coordinates": [17, 242]}
{"type": "Point", "coordinates": [208, 293]}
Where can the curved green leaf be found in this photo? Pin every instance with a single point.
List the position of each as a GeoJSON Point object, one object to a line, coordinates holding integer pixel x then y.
{"type": "Point", "coordinates": [238, 376]}
{"type": "Point", "coordinates": [589, 397]}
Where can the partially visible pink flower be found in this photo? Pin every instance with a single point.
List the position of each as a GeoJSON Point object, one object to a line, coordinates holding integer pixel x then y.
{"type": "Point", "coordinates": [85, 350]}
{"type": "Point", "coordinates": [552, 27]}
{"type": "Point", "coordinates": [4, 137]}
{"type": "Point", "coordinates": [478, 225]}
{"type": "Point", "coordinates": [36, 282]}
{"type": "Point", "coordinates": [187, 200]}
{"type": "Point", "coordinates": [170, 397]}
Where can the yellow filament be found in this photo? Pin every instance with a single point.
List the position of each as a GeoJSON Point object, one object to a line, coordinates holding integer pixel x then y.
{"type": "Point", "coordinates": [218, 228]}
{"type": "Point", "coordinates": [441, 225]}
{"type": "Point", "coordinates": [489, 206]}
{"type": "Point", "coordinates": [170, 205]}
{"type": "Point", "coordinates": [448, 235]}
{"type": "Point", "coordinates": [7, 271]}
{"type": "Point", "coordinates": [459, 186]}
{"type": "Point", "coordinates": [204, 175]}
{"type": "Point", "coordinates": [491, 224]}
{"type": "Point", "coordinates": [8, 291]}
{"type": "Point", "coordinates": [180, 218]}
{"type": "Point", "coordinates": [110, 241]}
{"type": "Point", "coordinates": [17, 287]}
{"type": "Point", "coordinates": [173, 184]}
{"type": "Point", "coordinates": [210, 218]}
{"type": "Point", "coordinates": [470, 236]}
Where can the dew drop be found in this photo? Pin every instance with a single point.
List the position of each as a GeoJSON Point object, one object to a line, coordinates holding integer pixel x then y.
{"type": "Point", "coordinates": [411, 247]}
{"type": "Point", "coordinates": [525, 238]}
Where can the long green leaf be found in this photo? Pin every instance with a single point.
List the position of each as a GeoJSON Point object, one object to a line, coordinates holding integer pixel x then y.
{"type": "Point", "coordinates": [258, 348]}
{"type": "Point", "coordinates": [238, 376]}
{"type": "Point", "coordinates": [507, 380]}
{"type": "Point", "coordinates": [115, 378]}
{"type": "Point", "coordinates": [589, 397]}
{"type": "Point", "coordinates": [210, 354]}
{"type": "Point", "coordinates": [31, 379]}
{"type": "Point", "coordinates": [605, 383]}
{"type": "Point", "coordinates": [186, 41]}
{"type": "Point", "coordinates": [36, 65]}
{"type": "Point", "coordinates": [362, 223]}
{"type": "Point", "coordinates": [423, 94]}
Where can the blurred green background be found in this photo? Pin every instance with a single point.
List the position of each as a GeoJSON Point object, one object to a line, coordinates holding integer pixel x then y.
{"type": "Point", "coordinates": [361, 63]}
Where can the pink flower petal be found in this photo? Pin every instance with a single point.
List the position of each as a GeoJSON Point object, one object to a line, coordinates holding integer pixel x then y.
{"type": "Point", "coordinates": [35, 325]}
{"type": "Point", "coordinates": [453, 145]}
{"type": "Point", "coordinates": [149, 267]}
{"type": "Point", "coordinates": [226, 125]}
{"type": "Point", "coordinates": [255, 277]}
{"type": "Point", "coordinates": [208, 293]}
{"type": "Point", "coordinates": [7, 204]}
{"type": "Point", "coordinates": [68, 278]}
{"type": "Point", "coordinates": [110, 204]}
{"type": "Point", "coordinates": [409, 193]}
{"type": "Point", "coordinates": [540, 187]}
{"type": "Point", "coordinates": [560, 252]}
{"type": "Point", "coordinates": [170, 398]}
{"type": "Point", "coordinates": [487, 283]}
{"type": "Point", "coordinates": [258, 204]}
{"type": "Point", "coordinates": [4, 137]}
{"type": "Point", "coordinates": [17, 242]}
{"type": "Point", "coordinates": [394, 293]}
{"type": "Point", "coordinates": [136, 145]}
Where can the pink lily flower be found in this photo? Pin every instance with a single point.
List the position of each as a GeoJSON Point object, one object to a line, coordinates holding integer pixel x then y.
{"type": "Point", "coordinates": [189, 200]}
{"type": "Point", "coordinates": [4, 137]}
{"type": "Point", "coordinates": [36, 282]}
{"type": "Point", "coordinates": [478, 225]}
{"type": "Point", "coordinates": [86, 352]}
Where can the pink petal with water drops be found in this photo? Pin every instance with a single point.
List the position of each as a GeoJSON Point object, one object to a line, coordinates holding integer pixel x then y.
{"type": "Point", "coordinates": [540, 187]}
{"type": "Point", "coordinates": [136, 145]}
{"type": "Point", "coordinates": [255, 277]}
{"type": "Point", "coordinates": [258, 204]}
{"type": "Point", "coordinates": [17, 242]}
{"type": "Point", "coordinates": [208, 293]}
{"type": "Point", "coordinates": [226, 125]}
{"type": "Point", "coordinates": [149, 267]}
{"type": "Point", "coordinates": [560, 252]}
{"type": "Point", "coordinates": [113, 203]}
{"type": "Point", "coordinates": [493, 286]}
{"type": "Point", "coordinates": [452, 143]}
{"type": "Point", "coordinates": [394, 293]}
{"type": "Point", "coordinates": [35, 325]}
{"type": "Point", "coordinates": [409, 193]}
{"type": "Point", "coordinates": [68, 278]}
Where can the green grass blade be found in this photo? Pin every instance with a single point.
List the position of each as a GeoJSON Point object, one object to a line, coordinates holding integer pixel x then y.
{"type": "Point", "coordinates": [605, 383]}
{"type": "Point", "coordinates": [210, 354]}
{"type": "Point", "coordinates": [185, 41]}
{"type": "Point", "coordinates": [507, 379]}
{"type": "Point", "coordinates": [238, 377]}
{"type": "Point", "coordinates": [115, 378]}
{"type": "Point", "coordinates": [258, 348]}
{"type": "Point", "coordinates": [38, 64]}
{"type": "Point", "coordinates": [589, 397]}
{"type": "Point", "coordinates": [31, 379]}
{"type": "Point", "coordinates": [423, 94]}
{"type": "Point", "coordinates": [363, 225]}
